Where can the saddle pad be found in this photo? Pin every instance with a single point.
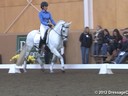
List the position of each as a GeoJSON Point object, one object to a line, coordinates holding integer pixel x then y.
{"type": "Point", "coordinates": [37, 38]}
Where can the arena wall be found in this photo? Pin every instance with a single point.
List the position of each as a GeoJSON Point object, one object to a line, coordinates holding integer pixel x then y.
{"type": "Point", "coordinates": [107, 13]}
{"type": "Point", "coordinates": [15, 21]}
{"type": "Point", "coordinates": [27, 20]}
{"type": "Point", "coordinates": [7, 47]}
{"type": "Point", "coordinates": [110, 13]}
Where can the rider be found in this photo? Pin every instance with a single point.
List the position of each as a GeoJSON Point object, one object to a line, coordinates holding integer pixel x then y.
{"type": "Point", "coordinates": [45, 19]}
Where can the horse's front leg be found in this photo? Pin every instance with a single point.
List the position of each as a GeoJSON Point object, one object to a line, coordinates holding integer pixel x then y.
{"type": "Point", "coordinates": [62, 64]}
{"type": "Point", "coordinates": [55, 52]}
{"type": "Point", "coordinates": [52, 63]}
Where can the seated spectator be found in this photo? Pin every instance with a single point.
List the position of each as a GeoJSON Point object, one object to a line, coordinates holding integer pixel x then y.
{"type": "Point", "coordinates": [124, 50]}
{"type": "Point", "coordinates": [106, 40]}
{"type": "Point", "coordinates": [115, 44]}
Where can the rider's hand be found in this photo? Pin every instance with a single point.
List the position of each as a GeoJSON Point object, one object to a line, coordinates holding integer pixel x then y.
{"type": "Point", "coordinates": [50, 25]}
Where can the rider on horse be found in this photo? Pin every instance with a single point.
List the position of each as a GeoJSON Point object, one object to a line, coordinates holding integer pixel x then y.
{"type": "Point", "coordinates": [45, 19]}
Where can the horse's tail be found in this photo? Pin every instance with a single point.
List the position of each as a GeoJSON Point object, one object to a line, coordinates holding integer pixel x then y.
{"type": "Point", "coordinates": [20, 60]}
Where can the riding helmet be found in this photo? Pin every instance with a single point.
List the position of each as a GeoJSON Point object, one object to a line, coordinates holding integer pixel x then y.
{"type": "Point", "coordinates": [44, 4]}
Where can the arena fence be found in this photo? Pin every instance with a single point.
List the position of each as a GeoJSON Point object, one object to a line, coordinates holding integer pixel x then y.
{"type": "Point", "coordinates": [103, 68]}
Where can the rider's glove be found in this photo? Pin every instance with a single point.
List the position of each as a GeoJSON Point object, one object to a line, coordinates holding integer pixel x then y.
{"type": "Point", "coordinates": [50, 25]}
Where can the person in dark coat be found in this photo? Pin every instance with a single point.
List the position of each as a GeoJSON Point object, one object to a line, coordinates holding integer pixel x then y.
{"type": "Point", "coordinates": [115, 45]}
{"type": "Point", "coordinates": [86, 42]}
{"type": "Point", "coordinates": [105, 45]}
{"type": "Point", "coordinates": [98, 40]}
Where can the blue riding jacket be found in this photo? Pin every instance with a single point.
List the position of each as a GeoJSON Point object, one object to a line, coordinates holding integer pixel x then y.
{"type": "Point", "coordinates": [45, 17]}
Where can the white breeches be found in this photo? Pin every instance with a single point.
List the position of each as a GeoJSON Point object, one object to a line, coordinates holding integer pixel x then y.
{"type": "Point", "coordinates": [43, 29]}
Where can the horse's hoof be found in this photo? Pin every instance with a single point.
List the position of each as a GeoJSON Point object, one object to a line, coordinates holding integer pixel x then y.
{"type": "Point", "coordinates": [51, 71]}
{"type": "Point", "coordinates": [23, 70]}
{"type": "Point", "coordinates": [42, 70]}
{"type": "Point", "coordinates": [63, 71]}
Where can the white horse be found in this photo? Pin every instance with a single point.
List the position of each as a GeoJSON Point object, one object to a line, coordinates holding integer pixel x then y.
{"type": "Point", "coordinates": [54, 41]}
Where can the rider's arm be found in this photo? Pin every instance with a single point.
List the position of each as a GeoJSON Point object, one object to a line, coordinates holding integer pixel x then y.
{"type": "Point", "coordinates": [51, 19]}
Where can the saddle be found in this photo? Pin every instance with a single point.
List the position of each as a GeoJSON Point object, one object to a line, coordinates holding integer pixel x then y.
{"type": "Point", "coordinates": [43, 41]}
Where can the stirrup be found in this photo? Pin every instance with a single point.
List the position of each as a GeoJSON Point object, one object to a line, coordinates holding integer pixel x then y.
{"type": "Point", "coordinates": [41, 49]}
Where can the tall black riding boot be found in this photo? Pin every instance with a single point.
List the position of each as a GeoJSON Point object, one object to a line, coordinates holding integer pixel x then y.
{"type": "Point", "coordinates": [42, 41]}
{"type": "Point", "coordinates": [40, 44]}
{"type": "Point", "coordinates": [45, 36]}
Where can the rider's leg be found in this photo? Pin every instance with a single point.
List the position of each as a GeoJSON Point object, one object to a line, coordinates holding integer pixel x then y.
{"type": "Point", "coordinates": [43, 29]}
{"type": "Point", "coordinates": [43, 41]}
{"type": "Point", "coordinates": [40, 44]}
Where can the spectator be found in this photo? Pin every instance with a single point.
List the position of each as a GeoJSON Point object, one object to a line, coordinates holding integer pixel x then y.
{"type": "Point", "coordinates": [124, 50]}
{"type": "Point", "coordinates": [106, 39]}
{"type": "Point", "coordinates": [115, 44]}
{"type": "Point", "coordinates": [86, 42]}
{"type": "Point", "coordinates": [98, 40]}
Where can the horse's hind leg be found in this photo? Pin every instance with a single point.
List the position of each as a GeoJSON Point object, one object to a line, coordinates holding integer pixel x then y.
{"type": "Point", "coordinates": [28, 49]}
{"type": "Point", "coordinates": [24, 65]}
{"type": "Point", "coordinates": [40, 62]}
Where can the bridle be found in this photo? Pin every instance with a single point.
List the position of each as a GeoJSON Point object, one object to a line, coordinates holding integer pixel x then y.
{"type": "Point", "coordinates": [61, 32]}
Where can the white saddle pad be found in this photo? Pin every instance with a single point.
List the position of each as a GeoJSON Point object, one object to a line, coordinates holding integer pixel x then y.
{"type": "Point", "coordinates": [37, 38]}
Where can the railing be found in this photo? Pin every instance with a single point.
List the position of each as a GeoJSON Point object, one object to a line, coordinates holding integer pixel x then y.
{"type": "Point", "coordinates": [103, 68]}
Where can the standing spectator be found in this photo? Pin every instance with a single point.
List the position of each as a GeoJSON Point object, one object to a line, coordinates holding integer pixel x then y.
{"type": "Point", "coordinates": [98, 40]}
{"type": "Point", "coordinates": [86, 42]}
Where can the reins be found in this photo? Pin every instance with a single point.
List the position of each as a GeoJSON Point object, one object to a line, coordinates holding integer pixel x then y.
{"type": "Point", "coordinates": [61, 35]}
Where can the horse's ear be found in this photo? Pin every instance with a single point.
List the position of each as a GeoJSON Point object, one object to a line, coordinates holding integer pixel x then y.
{"type": "Point", "coordinates": [69, 23]}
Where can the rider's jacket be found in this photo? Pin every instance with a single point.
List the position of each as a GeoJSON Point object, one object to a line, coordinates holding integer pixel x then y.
{"type": "Point", "coordinates": [45, 17]}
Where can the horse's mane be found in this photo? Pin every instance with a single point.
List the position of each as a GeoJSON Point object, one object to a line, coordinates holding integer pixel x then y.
{"type": "Point", "coordinates": [59, 22]}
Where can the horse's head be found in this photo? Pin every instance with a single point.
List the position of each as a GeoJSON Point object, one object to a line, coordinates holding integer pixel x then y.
{"type": "Point", "coordinates": [64, 30]}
